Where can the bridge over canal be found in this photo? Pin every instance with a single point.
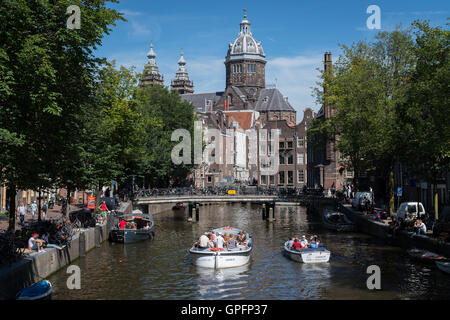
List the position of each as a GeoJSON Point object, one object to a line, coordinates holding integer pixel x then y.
{"type": "Point", "coordinates": [159, 204]}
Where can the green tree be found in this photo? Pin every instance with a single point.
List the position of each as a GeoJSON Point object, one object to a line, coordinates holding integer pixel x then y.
{"type": "Point", "coordinates": [424, 116]}
{"type": "Point", "coordinates": [48, 74]}
{"type": "Point", "coordinates": [364, 88]}
{"type": "Point", "coordinates": [117, 128]}
{"type": "Point", "coordinates": [164, 112]}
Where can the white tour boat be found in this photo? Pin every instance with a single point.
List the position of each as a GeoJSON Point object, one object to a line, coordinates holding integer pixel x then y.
{"type": "Point", "coordinates": [223, 258]}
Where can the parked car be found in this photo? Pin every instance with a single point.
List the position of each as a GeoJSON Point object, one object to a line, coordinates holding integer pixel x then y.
{"type": "Point", "coordinates": [411, 210]}
{"type": "Point", "coordinates": [357, 201]}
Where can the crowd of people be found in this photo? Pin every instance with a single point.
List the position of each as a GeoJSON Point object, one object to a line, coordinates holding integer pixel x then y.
{"type": "Point", "coordinates": [222, 241]}
{"type": "Point", "coordinates": [302, 243]}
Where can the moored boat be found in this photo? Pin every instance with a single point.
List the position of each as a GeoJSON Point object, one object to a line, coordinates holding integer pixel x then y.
{"type": "Point", "coordinates": [218, 258]}
{"type": "Point", "coordinates": [38, 291]}
{"type": "Point", "coordinates": [443, 266]}
{"type": "Point", "coordinates": [335, 220]}
{"type": "Point", "coordinates": [424, 255]}
{"type": "Point", "coordinates": [308, 255]}
{"type": "Point", "coordinates": [137, 226]}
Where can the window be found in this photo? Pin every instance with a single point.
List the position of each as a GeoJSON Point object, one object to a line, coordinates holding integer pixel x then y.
{"type": "Point", "coordinates": [281, 144]}
{"type": "Point", "coordinates": [281, 158]}
{"type": "Point", "coordinates": [272, 180]}
{"type": "Point", "coordinates": [300, 142]}
{"type": "Point", "coordinates": [209, 179]}
{"type": "Point", "coordinates": [300, 158]}
{"type": "Point", "coordinates": [301, 176]}
{"type": "Point", "coordinates": [281, 178]}
{"type": "Point", "coordinates": [289, 145]}
{"type": "Point", "coordinates": [263, 179]}
{"type": "Point", "coordinates": [290, 177]}
{"type": "Point", "coordinates": [290, 158]}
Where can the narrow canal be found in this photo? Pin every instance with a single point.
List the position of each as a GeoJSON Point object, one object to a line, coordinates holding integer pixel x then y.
{"type": "Point", "coordinates": [162, 269]}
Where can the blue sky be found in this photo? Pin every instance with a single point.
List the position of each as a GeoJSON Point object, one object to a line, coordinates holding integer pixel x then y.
{"type": "Point", "coordinates": [294, 34]}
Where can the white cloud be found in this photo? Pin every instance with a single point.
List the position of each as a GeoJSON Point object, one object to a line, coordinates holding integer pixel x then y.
{"type": "Point", "coordinates": [295, 76]}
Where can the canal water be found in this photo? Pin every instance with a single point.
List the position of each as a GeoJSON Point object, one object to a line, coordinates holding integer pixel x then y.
{"type": "Point", "coordinates": [161, 268]}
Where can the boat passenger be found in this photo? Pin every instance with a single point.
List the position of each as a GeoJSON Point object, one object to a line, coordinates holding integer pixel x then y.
{"type": "Point", "coordinates": [304, 242]}
{"type": "Point", "coordinates": [232, 242]}
{"type": "Point", "coordinates": [226, 237]}
{"type": "Point", "coordinates": [289, 242]}
{"type": "Point", "coordinates": [297, 245]}
{"type": "Point", "coordinates": [122, 224]}
{"type": "Point", "coordinates": [204, 242]}
{"type": "Point", "coordinates": [219, 241]}
{"type": "Point", "coordinates": [242, 237]}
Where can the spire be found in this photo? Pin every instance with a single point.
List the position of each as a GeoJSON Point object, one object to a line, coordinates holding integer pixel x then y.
{"type": "Point", "coordinates": [151, 71]}
{"type": "Point", "coordinates": [182, 83]}
{"type": "Point", "coordinates": [182, 73]}
{"type": "Point", "coordinates": [245, 25]}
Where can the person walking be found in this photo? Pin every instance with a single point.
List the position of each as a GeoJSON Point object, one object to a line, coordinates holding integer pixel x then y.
{"type": "Point", "coordinates": [33, 209]}
{"type": "Point", "coordinates": [21, 210]}
{"type": "Point", "coordinates": [44, 210]}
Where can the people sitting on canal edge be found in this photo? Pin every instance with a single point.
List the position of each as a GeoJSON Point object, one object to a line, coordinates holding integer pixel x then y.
{"type": "Point", "coordinates": [34, 243]}
{"type": "Point", "coordinates": [50, 242]}
{"type": "Point", "coordinates": [419, 228]}
{"type": "Point", "coordinates": [105, 211]}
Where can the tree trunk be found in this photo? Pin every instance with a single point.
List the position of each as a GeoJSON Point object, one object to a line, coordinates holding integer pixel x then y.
{"type": "Point", "coordinates": [435, 198]}
{"type": "Point", "coordinates": [98, 195]}
{"type": "Point", "coordinates": [391, 191]}
{"type": "Point", "coordinates": [66, 214]}
{"type": "Point", "coordinates": [11, 196]}
{"type": "Point", "coordinates": [39, 205]}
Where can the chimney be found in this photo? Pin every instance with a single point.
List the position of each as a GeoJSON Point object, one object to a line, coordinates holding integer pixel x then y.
{"type": "Point", "coordinates": [328, 62]}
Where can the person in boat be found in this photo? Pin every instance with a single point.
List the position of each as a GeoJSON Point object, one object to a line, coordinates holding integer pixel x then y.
{"type": "Point", "coordinates": [203, 242]}
{"type": "Point", "coordinates": [147, 226]}
{"type": "Point", "coordinates": [232, 243]}
{"type": "Point", "coordinates": [297, 245]}
{"type": "Point", "coordinates": [289, 242]}
{"type": "Point", "coordinates": [211, 236]}
{"type": "Point", "coordinates": [219, 242]}
{"type": "Point", "coordinates": [122, 224]}
{"type": "Point", "coordinates": [304, 242]}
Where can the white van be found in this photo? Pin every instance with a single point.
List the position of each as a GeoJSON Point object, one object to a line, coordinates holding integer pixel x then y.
{"type": "Point", "coordinates": [411, 210]}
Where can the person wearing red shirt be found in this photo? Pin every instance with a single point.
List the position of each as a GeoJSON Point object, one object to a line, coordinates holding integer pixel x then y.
{"type": "Point", "coordinates": [297, 245]}
{"type": "Point", "coordinates": [122, 224]}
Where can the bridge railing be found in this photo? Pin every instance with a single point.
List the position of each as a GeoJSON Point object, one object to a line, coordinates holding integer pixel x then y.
{"type": "Point", "coordinates": [223, 191]}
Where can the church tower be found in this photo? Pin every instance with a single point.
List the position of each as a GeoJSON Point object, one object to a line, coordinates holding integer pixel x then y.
{"type": "Point", "coordinates": [245, 62]}
{"type": "Point", "coordinates": [151, 74]}
{"type": "Point", "coordinates": [182, 84]}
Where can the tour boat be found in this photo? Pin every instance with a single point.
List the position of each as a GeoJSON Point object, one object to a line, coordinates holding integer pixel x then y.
{"type": "Point", "coordinates": [144, 228]}
{"type": "Point", "coordinates": [223, 258]}
{"type": "Point", "coordinates": [309, 255]}
{"type": "Point", "coordinates": [443, 266]}
{"type": "Point", "coordinates": [38, 291]}
{"type": "Point", "coordinates": [336, 220]}
{"type": "Point", "coordinates": [424, 255]}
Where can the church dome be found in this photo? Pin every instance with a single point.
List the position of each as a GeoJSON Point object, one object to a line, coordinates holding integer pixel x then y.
{"type": "Point", "coordinates": [245, 46]}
